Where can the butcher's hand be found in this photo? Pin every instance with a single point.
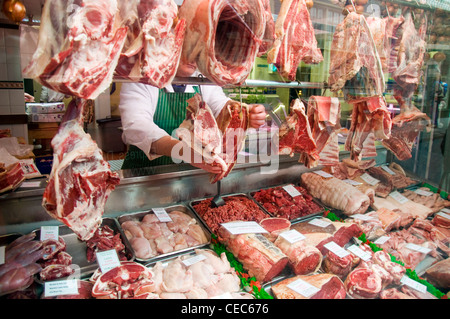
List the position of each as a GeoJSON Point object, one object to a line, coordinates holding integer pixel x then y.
{"type": "Point", "coordinates": [257, 115]}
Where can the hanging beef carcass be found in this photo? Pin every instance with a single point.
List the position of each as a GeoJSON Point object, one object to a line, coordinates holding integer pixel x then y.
{"type": "Point", "coordinates": [81, 180]}
{"type": "Point", "coordinates": [354, 59]}
{"type": "Point", "coordinates": [324, 115]}
{"type": "Point", "coordinates": [295, 40]}
{"type": "Point", "coordinates": [216, 142]}
{"type": "Point", "coordinates": [223, 37]}
{"type": "Point", "coordinates": [154, 41]}
{"type": "Point", "coordinates": [79, 46]}
{"type": "Point", "coordinates": [269, 33]}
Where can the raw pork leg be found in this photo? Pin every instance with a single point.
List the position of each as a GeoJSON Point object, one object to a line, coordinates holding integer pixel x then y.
{"type": "Point", "coordinates": [81, 180]}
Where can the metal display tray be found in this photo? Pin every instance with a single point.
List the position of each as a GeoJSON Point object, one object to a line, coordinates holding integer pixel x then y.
{"type": "Point", "coordinates": [184, 209]}
{"type": "Point", "coordinates": [196, 201]}
{"type": "Point", "coordinates": [294, 220]}
{"type": "Point", "coordinates": [78, 249]}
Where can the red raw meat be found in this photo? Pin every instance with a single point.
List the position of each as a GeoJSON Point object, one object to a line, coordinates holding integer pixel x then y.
{"type": "Point", "coordinates": [53, 272]}
{"type": "Point", "coordinates": [11, 178]}
{"type": "Point", "coordinates": [105, 239]}
{"type": "Point", "coordinates": [363, 283]}
{"type": "Point", "coordinates": [269, 33]}
{"type": "Point", "coordinates": [81, 180]}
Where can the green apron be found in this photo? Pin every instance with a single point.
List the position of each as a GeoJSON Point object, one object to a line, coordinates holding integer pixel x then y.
{"type": "Point", "coordinates": [170, 113]}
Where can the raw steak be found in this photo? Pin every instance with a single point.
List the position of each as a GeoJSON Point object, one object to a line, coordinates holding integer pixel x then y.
{"type": "Point", "coordinates": [295, 40]}
{"type": "Point", "coordinates": [11, 177]}
{"type": "Point", "coordinates": [335, 193]}
{"type": "Point", "coordinates": [439, 274]}
{"type": "Point", "coordinates": [223, 37]}
{"type": "Point", "coordinates": [78, 48]}
{"type": "Point", "coordinates": [363, 283]}
{"type": "Point", "coordinates": [154, 41]}
{"type": "Point", "coordinates": [81, 180]}
{"type": "Point", "coordinates": [259, 256]}
{"type": "Point", "coordinates": [275, 226]}
{"type": "Point", "coordinates": [330, 287]}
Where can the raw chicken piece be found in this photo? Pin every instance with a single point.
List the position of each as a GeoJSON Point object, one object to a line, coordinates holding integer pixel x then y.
{"type": "Point", "coordinates": [141, 247]}
{"type": "Point", "coordinates": [221, 265]}
{"type": "Point", "coordinates": [196, 232]}
{"type": "Point", "coordinates": [150, 218]}
{"type": "Point", "coordinates": [163, 245]}
{"type": "Point", "coordinates": [196, 293]}
{"type": "Point", "coordinates": [176, 278]}
{"type": "Point", "coordinates": [133, 227]}
{"type": "Point", "coordinates": [203, 274]}
{"type": "Point", "coordinates": [151, 230]}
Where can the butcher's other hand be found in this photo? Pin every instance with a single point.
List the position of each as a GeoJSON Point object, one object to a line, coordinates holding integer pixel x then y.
{"type": "Point", "coordinates": [257, 115]}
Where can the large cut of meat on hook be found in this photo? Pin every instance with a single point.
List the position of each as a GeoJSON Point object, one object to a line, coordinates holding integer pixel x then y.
{"type": "Point", "coordinates": [370, 120]}
{"type": "Point", "coordinates": [295, 134]}
{"type": "Point", "coordinates": [219, 141]}
{"type": "Point", "coordinates": [81, 180]}
{"type": "Point", "coordinates": [154, 41]}
{"type": "Point", "coordinates": [410, 57]}
{"type": "Point", "coordinates": [394, 31]}
{"type": "Point", "coordinates": [353, 53]}
{"type": "Point", "coordinates": [295, 40]}
{"type": "Point", "coordinates": [78, 48]}
{"type": "Point", "coordinates": [324, 115]}
{"type": "Point", "coordinates": [223, 37]}
{"type": "Point", "coordinates": [406, 126]}
{"type": "Point", "coordinates": [269, 33]}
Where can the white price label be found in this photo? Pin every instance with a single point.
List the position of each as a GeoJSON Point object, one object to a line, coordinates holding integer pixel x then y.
{"type": "Point", "coordinates": [162, 215]}
{"type": "Point", "coordinates": [364, 255]}
{"type": "Point", "coordinates": [445, 210]}
{"type": "Point", "coordinates": [420, 249]}
{"type": "Point", "coordinates": [443, 215]}
{"type": "Point", "coordinates": [413, 284]}
{"type": "Point", "coordinates": [303, 288]}
{"type": "Point", "coordinates": [362, 217]}
{"type": "Point", "coordinates": [381, 240]}
{"type": "Point", "coordinates": [2, 254]}
{"type": "Point", "coordinates": [336, 249]}
{"type": "Point", "coordinates": [292, 236]}
{"type": "Point", "coordinates": [352, 182]}
{"type": "Point", "coordinates": [193, 260]}
{"type": "Point", "coordinates": [323, 174]}
{"type": "Point", "coordinates": [49, 232]}
{"type": "Point", "coordinates": [291, 190]}
{"type": "Point", "coordinates": [369, 179]}
{"type": "Point", "coordinates": [398, 197]}
{"type": "Point", "coordinates": [107, 260]}
{"type": "Point", "coordinates": [61, 287]}
{"type": "Point", "coordinates": [319, 222]}
{"type": "Point", "coordinates": [30, 184]}
{"type": "Point", "coordinates": [423, 192]}
{"type": "Point", "coordinates": [387, 169]}
{"type": "Point", "coordinates": [244, 227]}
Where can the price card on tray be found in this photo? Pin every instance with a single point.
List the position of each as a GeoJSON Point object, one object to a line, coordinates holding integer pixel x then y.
{"type": "Point", "coordinates": [362, 217]}
{"type": "Point", "coordinates": [244, 227]}
{"type": "Point", "coordinates": [423, 192]}
{"type": "Point", "coordinates": [2, 254]}
{"type": "Point", "coordinates": [369, 179]}
{"type": "Point", "coordinates": [323, 174]}
{"type": "Point", "coordinates": [49, 232]}
{"type": "Point", "coordinates": [303, 288]}
{"type": "Point", "coordinates": [162, 215]}
{"type": "Point", "coordinates": [336, 249]}
{"type": "Point", "coordinates": [193, 260]}
{"type": "Point", "coordinates": [291, 190]}
{"type": "Point", "coordinates": [107, 260]}
{"type": "Point", "coordinates": [398, 197]}
{"type": "Point", "coordinates": [420, 249]}
{"type": "Point", "coordinates": [358, 252]}
{"type": "Point", "coordinates": [381, 240]}
{"type": "Point", "coordinates": [442, 214]}
{"type": "Point", "coordinates": [292, 236]}
{"type": "Point", "coordinates": [445, 210]}
{"type": "Point", "coordinates": [319, 222]}
{"type": "Point", "coordinates": [61, 287]}
{"type": "Point", "coordinates": [413, 284]}
{"type": "Point", "coordinates": [387, 169]}
{"type": "Point", "coordinates": [351, 182]}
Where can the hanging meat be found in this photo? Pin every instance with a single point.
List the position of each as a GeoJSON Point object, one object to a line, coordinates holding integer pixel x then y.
{"type": "Point", "coordinates": [79, 46]}
{"type": "Point", "coordinates": [269, 32]}
{"type": "Point", "coordinates": [81, 180]}
{"type": "Point", "coordinates": [370, 120]}
{"type": "Point", "coordinates": [154, 41]}
{"type": "Point", "coordinates": [216, 142]}
{"type": "Point", "coordinates": [354, 59]}
{"type": "Point", "coordinates": [295, 40]}
{"type": "Point", "coordinates": [324, 115]}
{"type": "Point", "coordinates": [223, 37]}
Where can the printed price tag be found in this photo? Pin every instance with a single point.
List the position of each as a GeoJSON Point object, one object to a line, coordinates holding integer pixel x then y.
{"type": "Point", "coordinates": [319, 222]}
{"type": "Point", "coordinates": [387, 169]}
{"type": "Point", "coordinates": [61, 287]}
{"type": "Point", "coordinates": [336, 249]}
{"type": "Point", "coordinates": [443, 215]}
{"type": "Point", "coordinates": [162, 215]}
{"type": "Point", "coordinates": [107, 260]}
{"type": "Point", "coordinates": [30, 184]}
{"type": "Point", "coordinates": [292, 236]}
{"type": "Point", "coordinates": [2, 254]}
{"type": "Point", "coordinates": [369, 179]}
{"type": "Point", "coordinates": [413, 284]}
{"type": "Point", "coordinates": [381, 240]}
{"type": "Point", "coordinates": [364, 255]}
{"type": "Point", "coordinates": [445, 210]}
{"type": "Point", "coordinates": [352, 182]}
{"type": "Point", "coordinates": [362, 217]}
{"type": "Point", "coordinates": [420, 249]}
{"type": "Point", "coordinates": [244, 227]}
{"type": "Point", "coordinates": [303, 288]}
{"type": "Point", "coordinates": [423, 192]}
{"type": "Point", "coordinates": [193, 260]}
{"type": "Point", "coordinates": [49, 232]}
{"type": "Point", "coordinates": [323, 174]}
{"type": "Point", "coordinates": [291, 190]}
{"type": "Point", "coordinates": [398, 197]}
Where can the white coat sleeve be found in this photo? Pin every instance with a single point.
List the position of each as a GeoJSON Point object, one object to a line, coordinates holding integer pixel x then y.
{"type": "Point", "coordinates": [137, 106]}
